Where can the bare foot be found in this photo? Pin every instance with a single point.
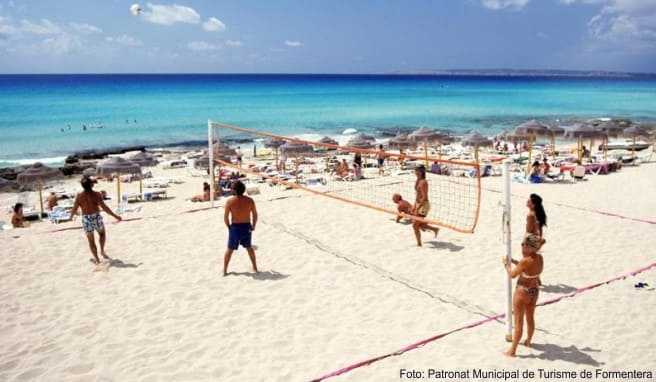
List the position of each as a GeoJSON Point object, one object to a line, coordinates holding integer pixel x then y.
{"type": "Point", "coordinates": [104, 255]}
{"type": "Point", "coordinates": [94, 261]}
{"type": "Point", "coordinates": [509, 353]}
{"type": "Point", "coordinates": [527, 343]}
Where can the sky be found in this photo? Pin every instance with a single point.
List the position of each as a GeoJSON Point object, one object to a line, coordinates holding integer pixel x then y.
{"type": "Point", "coordinates": [325, 36]}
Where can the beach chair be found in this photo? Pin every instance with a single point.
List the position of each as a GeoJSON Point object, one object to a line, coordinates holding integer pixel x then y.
{"type": "Point", "coordinates": [59, 214]}
{"type": "Point", "coordinates": [579, 173]}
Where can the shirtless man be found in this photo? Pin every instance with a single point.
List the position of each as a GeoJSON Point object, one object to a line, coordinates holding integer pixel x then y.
{"type": "Point", "coordinates": [422, 205]}
{"type": "Point", "coordinates": [403, 207]}
{"type": "Point", "coordinates": [239, 230]}
{"type": "Point", "coordinates": [91, 202]}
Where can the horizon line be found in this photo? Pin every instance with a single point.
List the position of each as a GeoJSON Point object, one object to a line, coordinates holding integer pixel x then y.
{"type": "Point", "coordinates": [425, 72]}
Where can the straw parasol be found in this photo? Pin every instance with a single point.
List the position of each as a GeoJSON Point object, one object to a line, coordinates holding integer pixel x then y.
{"type": "Point", "coordinates": [401, 141]}
{"type": "Point", "coordinates": [531, 130]}
{"type": "Point", "coordinates": [144, 159]}
{"type": "Point", "coordinates": [38, 174]}
{"type": "Point", "coordinates": [117, 166]}
{"type": "Point", "coordinates": [274, 143]}
{"type": "Point", "coordinates": [583, 130]}
{"type": "Point", "coordinates": [634, 131]}
{"type": "Point", "coordinates": [610, 128]}
{"type": "Point", "coordinates": [329, 141]}
{"type": "Point", "coordinates": [426, 135]}
{"type": "Point", "coordinates": [360, 141]}
{"type": "Point", "coordinates": [555, 130]}
{"type": "Point", "coordinates": [476, 140]}
{"type": "Point", "coordinates": [295, 148]}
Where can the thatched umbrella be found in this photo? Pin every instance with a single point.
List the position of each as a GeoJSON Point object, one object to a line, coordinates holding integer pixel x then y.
{"type": "Point", "coordinates": [583, 130]}
{"type": "Point", "coordinates": [555, 130]}
{"type": "Point", "coordinates": [426, 135]}
{"type": "Point", "coordinates": [7, 185]}
{"type": "Point", "coordinates": [143, 159]}
{"type": "Point", "coordinates": [295, 148]}
{"type": "Point", "coordinates": [611, 128]}
{"type": "Point", "coordinates": [401, 141]}
{"type": "Point", "coordinates": [634, 131]}
{"type": "Point", "coordinates": [531, 130]}
{"type": "Point", "coordinates": [274, 143]}
{"type": "Point", "coordinates": [117, 166]}
{"type": "Point", "coordinates": [360, 141]}
{"type": "Point", "coordinates": [476, 140]}
{"type": "Point", "coordinates": [38, 174]}
{"type": "Point", "coordinates": [329, 141]}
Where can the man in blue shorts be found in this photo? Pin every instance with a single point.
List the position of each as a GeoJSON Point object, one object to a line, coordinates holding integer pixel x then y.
{"type": "Point", "coordinates": [239, 208]}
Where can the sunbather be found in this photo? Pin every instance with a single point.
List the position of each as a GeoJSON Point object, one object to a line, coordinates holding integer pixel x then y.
{"type": "Point", "coordinates": [17, 219]}
{"type": "Point", "coordinates": [52, 200]}
{"type": "Point", "coordinates": [422, 205]}
{"type": "Point", "coordinates": [205, 197]}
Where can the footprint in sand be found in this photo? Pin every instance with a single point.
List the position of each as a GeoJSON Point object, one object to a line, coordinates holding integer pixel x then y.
{"type": "Point", "coordinates": [80, 369]}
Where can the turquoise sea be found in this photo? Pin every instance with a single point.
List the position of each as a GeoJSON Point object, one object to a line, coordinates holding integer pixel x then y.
{"type": "Point", "coordinates": [43, 116]}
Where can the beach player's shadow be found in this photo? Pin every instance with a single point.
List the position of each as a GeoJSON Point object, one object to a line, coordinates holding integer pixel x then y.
{"type": "Point", "coordinates": [558, 288]}
{"type": "Point", "coordinates": [445, 245]}
{"type": "Point", "coordinates": [552, 352]}
{"type": "Point", "coordinates": [118, 263]}
{"type": "Point", "coordinates": [262, 275]}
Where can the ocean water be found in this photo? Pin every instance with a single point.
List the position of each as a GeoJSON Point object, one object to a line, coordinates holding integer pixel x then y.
{"type": "Point", "coordinates": [42, 116]}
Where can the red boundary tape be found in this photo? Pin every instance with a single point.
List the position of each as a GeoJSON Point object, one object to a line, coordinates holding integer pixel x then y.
{"type": "Point", "coordinates": [473, 325]}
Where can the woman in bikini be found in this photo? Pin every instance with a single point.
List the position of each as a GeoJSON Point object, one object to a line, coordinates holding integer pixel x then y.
{"type": "Point", "coordinates": [422, 205]}
{"type": "Point", "coordinates": [526, 294]}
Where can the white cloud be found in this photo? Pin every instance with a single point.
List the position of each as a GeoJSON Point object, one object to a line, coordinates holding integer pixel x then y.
{"type": "Point", "coordinates": [623, 24]}
{"type": "Point", "coordinates": [45, 27]}
{"type": "Point", "coordinates": [6, 29]}
{"type": "Point", "coordinates": [85, 28]}
{"type": "Point", "coordinates": [202, 46]}
{"type": "Point", "coordinates": [503, 4]}
{"type": "Point", "coordinates": [214, 25]}
{"type": "Point", "coordinates": [61, 44]}
{"type": "Point", "coordinates": [170, 14]}
{"type": "Point", "coordinates": [124, 40]}
{"type": "Point", "coordinates": [293, 44]}
{"type": "Point", "coordinates": [233, 43]}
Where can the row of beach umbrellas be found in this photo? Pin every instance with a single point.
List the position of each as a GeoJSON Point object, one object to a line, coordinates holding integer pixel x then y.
{"type": "Point", "coordinates": [39, 174]}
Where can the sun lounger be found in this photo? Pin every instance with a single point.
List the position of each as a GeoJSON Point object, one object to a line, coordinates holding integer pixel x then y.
{"type": "Point", "coordinates": [59, 214]}
{"type": "Point", "coordinates": [579, 172]}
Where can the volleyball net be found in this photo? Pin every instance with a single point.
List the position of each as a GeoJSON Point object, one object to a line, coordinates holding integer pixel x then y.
{"type": "Point", "coordinates": [348, 173]}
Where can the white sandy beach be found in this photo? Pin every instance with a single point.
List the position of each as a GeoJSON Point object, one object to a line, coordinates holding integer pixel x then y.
{"type": "Point", "coordinates": [338, 284]}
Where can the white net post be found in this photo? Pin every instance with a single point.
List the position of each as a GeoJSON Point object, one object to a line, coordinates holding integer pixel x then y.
{"type": "Point", "coordinates": [210, 142]}
{"type": "Point", "coordinates": [508, 241]}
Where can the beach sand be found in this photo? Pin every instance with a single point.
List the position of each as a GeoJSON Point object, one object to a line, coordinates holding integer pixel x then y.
{"type": "Point", "coordinates": [338, 284]}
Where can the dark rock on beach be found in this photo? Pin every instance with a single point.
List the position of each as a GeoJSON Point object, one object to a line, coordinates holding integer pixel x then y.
{"type": "Point", "coordinates": [100, 154]}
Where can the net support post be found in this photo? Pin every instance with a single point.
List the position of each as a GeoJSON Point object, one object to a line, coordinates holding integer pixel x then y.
{"type": "Point", "coordinates": [508, 242]}
{"type": "Point", "coordinates": [210, 153]}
